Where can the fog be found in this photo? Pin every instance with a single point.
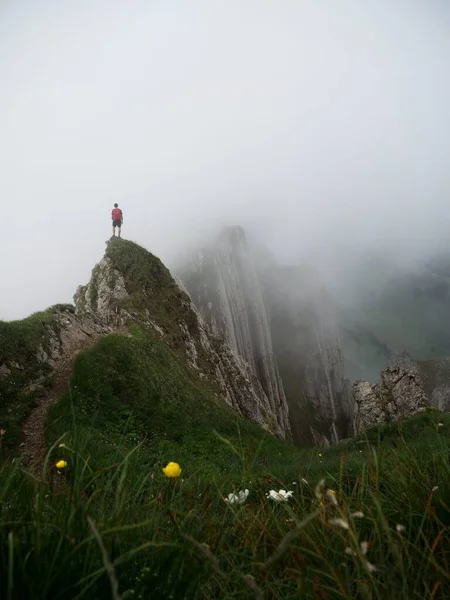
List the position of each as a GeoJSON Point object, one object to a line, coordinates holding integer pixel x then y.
{"type": "Point", "coordinates": [321, 127]}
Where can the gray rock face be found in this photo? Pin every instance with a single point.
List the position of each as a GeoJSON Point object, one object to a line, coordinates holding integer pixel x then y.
{"type": "Point", "coordinates": [224, 286]}
{"type": "Point", "coordinates": [399, 393]}
{"type": "Point", "coordinates": [282, 326]}
{"type": "Point", "coordinates": [63, 335]}
{"type": "Point", "coordinates": [67, 335]}
{"type": "Point", "coordinates": [99, 297]}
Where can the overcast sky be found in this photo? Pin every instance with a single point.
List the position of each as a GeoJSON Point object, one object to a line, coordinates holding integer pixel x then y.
{"type": "Point", "coordinates": [323, 124]}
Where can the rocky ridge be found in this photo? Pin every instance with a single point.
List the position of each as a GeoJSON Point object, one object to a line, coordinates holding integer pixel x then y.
{"type": "Point", "coordinates": [121, 297]}
{"type": "Point", "coordinates": [129, 287]}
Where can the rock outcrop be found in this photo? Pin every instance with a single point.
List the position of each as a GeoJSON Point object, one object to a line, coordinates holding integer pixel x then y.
{"type": "Point", "coordinates": [399, 393]}
{"type": "Point", "coordinates": [61, 334]}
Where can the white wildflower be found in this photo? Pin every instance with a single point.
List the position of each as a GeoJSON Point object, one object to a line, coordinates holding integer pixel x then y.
{"type": "Point", "coordinates": [304, 481]}
{"type": "Point", "coordinates": [435, 489]}
{"type": "Point", "coordinates": [331, 497]}
{"type": "Point", "coordinates": [319, 489]}
{"type": "Point", "coordinates": [349, 551]}
{"type": "Point", "coordinates": [370, 567]}
{"type": "Point", "coordinates": [400, 528]}
{"type": "Point", "coordinates": [364, 547]}
{"type": "Point", "coordinates": [238, 498]}
{"type": "Point", "coordinates": [357, 515]}
{"type": "Point", "coordinates": [280, 496]}
{"type": "Point", "coordinates": [339, 523]}
{"type": "Point", "coordinates": [440, 424]}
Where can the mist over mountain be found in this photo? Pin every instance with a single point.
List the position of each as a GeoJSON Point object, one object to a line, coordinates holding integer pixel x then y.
{"type": "Point", "coordinates": [281, 321]}
{"type": "Point", "coordinates": [388, 309]}
{"type": "Point", "coordinates": [307, 334]}
{"type": "Point", "coordinates": [322, 130]}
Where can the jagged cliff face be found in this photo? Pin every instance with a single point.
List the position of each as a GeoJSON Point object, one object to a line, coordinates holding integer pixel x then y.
{"type": "Point", "coordinates": [224, 286]}
{"type": "Point", "coordinates": [135, 287]}
{"type": "Point", "coordinates": [283, 329]}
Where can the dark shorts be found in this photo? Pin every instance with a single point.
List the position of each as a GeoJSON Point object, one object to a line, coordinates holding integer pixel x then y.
{"type": "Point", "coordinates": [117, 223]}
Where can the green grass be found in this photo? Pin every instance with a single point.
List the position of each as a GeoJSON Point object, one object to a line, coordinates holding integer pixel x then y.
{"type": "Point", "coordinates": [150, 286]}
{"type": "Point", "coordinates": [19, 344]}
{"type": "Point", "coordinates": [20, 339]}
{"type": "Point", "coordinates": [111, 525]}
{"type": "Point", "coordinates": [102, 525]}
{"type": "Point", "coordinates": [134, 389]}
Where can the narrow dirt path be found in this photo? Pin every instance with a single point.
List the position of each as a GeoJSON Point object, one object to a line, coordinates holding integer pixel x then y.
{"type": "Point", "coordinates": [33, 443]}
{"type": "Point", "coordinates": [78, 337]}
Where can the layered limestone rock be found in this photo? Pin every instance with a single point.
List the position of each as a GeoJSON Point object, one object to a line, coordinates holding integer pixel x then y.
{"type": "Point", "coordinates": [282, 326]}
{"type": "Point", "coordinates": [399, 393]}
{"type": "Point", "coordinates": [224, 286]}
{"type": "Point", "coordinates": [131, 286]}
{"type": "Point", "coordinates": [101, 295]}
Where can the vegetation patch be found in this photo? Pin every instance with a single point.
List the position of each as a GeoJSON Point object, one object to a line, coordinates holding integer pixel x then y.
{"type": "Point", "coordinates": [366, 519]}
{"type": "Point", "coordinates": [19, 345]}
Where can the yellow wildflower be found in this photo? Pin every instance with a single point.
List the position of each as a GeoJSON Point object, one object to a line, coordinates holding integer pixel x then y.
{"type": "Point", "coordinates": [172, 470]}
{"type": "Point", "coordinates": [61, 464]}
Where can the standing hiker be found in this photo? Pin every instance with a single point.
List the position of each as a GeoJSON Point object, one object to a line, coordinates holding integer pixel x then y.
{"type": "Point", "coordinates": [117, 219]}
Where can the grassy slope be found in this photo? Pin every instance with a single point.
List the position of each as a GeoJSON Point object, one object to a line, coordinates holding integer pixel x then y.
{"type": "Point", "coordinates": [178, 539]}
{"type": "Point", "coordinates": [135, 389]}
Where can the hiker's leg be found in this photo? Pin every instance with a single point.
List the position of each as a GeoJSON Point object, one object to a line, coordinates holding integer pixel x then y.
{"type": "Point", "coordinates": [120, 229]}
{"type": "Point", "coordinates": [114, 230]}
